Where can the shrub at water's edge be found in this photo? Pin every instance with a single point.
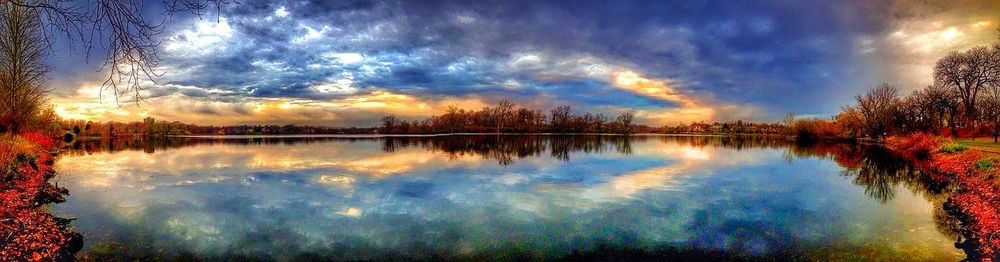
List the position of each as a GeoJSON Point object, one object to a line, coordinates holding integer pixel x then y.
{"type": "Point", "coordinates": [976, 199]}
{"type": "Point", "coordinates": [26, 231]}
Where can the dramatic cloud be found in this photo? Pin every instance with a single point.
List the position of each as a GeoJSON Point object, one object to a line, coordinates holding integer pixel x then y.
{"type": "Point", "coordinates": [906, 44]}
{"type": "Point", "coordinates": [348, 63]}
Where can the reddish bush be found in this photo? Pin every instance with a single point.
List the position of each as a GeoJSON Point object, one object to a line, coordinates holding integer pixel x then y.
{"type": "Point", "coordinates": [7, 152]}
{"type": "Point", "coordinates": [814, 129]}
{"type": "Point", "coordinates": [39, 139]}
{"type": "Point", "coordinates": [916, 145]}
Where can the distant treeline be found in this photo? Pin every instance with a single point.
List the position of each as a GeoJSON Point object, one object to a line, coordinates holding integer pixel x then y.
{"type": "Point", "coordinates": [502, 118]}
{"type": "Point", "coordinates": [152, 127]}
{"type": "Point", "coordinates": [505, 117]}
{"type": "Point", "coordinates": [508, 118]}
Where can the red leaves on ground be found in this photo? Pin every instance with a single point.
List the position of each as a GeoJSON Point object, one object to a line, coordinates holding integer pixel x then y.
{"type": "Point", "coordinates": [26, 231]}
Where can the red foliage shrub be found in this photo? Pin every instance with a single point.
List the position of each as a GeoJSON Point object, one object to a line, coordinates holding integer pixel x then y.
{"type": "Point", "coordinates": [813, 129]}
{"type": "Point", "coordinates": [916, 145]}
{"type": "Point", "coordinates": [39, 139]}
{"type": "Point", "coordinates": [7, 152]}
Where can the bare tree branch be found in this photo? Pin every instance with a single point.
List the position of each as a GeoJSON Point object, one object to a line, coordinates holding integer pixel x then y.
{"type": "Point", "coordinates": [130, 39]}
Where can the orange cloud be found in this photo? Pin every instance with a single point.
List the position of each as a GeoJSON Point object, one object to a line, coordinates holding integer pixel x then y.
{"type": "Point", "coordinates": [690, 108]}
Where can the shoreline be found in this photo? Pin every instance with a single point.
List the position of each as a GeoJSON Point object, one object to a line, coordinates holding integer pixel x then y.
{"type": "Point", "coordinates": [432, 135]}
{"type": "Point", "coordinates": [28, 229]}
{"type": "Point", "coordinates": [976, 194]}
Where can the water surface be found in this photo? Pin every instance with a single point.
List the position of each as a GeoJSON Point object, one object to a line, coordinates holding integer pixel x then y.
{"type": "Point", "coordinates": [469, 197]}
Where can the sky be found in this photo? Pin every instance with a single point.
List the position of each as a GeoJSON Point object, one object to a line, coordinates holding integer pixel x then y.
{"type": "Point", "coordinates": [348, 63]}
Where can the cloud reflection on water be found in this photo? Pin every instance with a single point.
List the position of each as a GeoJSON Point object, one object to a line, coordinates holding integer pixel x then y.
{"type": "Point", "coordinates": [366, 199]}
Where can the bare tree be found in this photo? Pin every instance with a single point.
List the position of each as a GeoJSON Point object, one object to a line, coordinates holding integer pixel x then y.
{"type": "Point", "coordinates": [502, 114]}
{"type": "Point", "coordinates": [22, 67]}
{"type": "Point", "coordinates": [560, 117]}
{"type": "Point", "coordinates": [600, 123]}
{"type": "Point", "coordinates": [131, 38]}
{"type": "Point", "coordinates": [624, 122]}
{"type": "Point", "coordinates": [910, 115]}
{"type": "Point", "coordinates": [989, 106]}
{"type": "Point", "coordinates": [929, 108]}
{"type": "Point", "coordinates": [450, 118]}
{"type": "Point", "coordinates": [848, 122]}
{"type": "Point", "coordinates": [789, 118]}
{"type": "Point", "coordinates": [389, 124]}
{"type": "Point", "coordinates": [876, 110]}
{"type": "Point", "coordinates": [968, 73]}
{"type": "Point", "coordinates": [942, 102]}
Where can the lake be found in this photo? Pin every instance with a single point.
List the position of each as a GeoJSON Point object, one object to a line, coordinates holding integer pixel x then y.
{"type": "Point", "coordinates": [499, 197]}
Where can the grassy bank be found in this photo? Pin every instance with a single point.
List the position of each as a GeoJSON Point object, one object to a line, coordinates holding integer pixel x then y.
{"type": "Point", "coordinates": [28, 233]}
{"type": "Point", "coordinates": [983, 144]}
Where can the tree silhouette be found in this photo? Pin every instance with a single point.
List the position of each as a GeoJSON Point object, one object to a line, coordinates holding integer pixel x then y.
{"type": "Point", "coordinates": [876, 109]}
{"type": "Point", "coordinates": [502, 114]}
{"type": "Point", "coordinates": [968, 73]}
{"type": "Point", "coordinates": [130, 38]}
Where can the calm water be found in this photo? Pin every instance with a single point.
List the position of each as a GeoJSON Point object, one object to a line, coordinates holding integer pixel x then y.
{"type": "Point", "coordinates": [471, 197]}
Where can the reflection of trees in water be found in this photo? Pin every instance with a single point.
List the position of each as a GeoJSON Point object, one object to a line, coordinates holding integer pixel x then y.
{"type": "Point", "coordinates": [151, 145]}
{"type": "Point", "coordinates": [879, 172]}
{"type": "Point", "coordinates": [870, 166]}
{"type": "Point", "coordinates": [562, 146]}
{"type": "Point", "coordinates": [506, 148]}
{"type": "Point", "coordinates": [873, 167]}
{"type": "Point", "coordinates": [730, 142]}
{"type": "Point", "coordinates": [503, 148]}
